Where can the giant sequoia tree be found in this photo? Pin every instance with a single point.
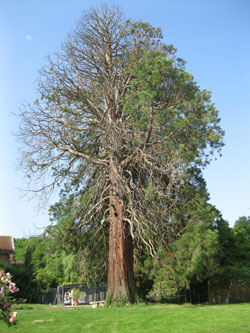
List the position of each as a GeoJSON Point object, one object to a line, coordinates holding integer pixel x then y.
{"type": "Point", "coordinates": [120, 121]}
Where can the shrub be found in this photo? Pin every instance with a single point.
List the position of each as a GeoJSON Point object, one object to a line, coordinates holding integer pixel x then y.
{"type": "Point", "coordinates": [7, 288]}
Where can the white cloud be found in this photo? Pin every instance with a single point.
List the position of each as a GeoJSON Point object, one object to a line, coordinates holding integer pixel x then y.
{"type": "Point", "coordinates": [28, 37]}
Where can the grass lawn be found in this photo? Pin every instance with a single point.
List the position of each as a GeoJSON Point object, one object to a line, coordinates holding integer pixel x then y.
{"type": "Point", "coordinates": [138, 318]}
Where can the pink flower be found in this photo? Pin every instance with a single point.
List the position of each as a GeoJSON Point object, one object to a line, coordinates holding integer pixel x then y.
{"type": "Point", "coordinates": [13, 317]}
{"type": "Point", "coordinates": [12, 288]}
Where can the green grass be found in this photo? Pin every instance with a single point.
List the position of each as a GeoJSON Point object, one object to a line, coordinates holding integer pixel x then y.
{"type": "Point", "coordinates": [138, 318]}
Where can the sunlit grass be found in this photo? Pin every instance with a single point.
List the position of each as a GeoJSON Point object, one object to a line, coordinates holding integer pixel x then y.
{"type": "Point", "coordinates": [138, 318]}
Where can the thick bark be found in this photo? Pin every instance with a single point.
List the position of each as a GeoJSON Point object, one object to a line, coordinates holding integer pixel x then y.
{"type": "Point", "coordinates": [121, 285]}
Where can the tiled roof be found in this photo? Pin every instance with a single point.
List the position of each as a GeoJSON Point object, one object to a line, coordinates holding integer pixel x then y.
{"type": "Point", "coordinates": [6, 244]}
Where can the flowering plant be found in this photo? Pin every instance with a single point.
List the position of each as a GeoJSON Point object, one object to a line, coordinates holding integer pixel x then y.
{"type": "Point", "coordinates": [6, 288]}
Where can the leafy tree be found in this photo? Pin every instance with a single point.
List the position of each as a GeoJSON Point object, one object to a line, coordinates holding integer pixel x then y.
{"type": "Point", "coordinates": [192, 255]}
{"type": "Point", "coordinates": [82, 256]}
{"type": "Point", "coordinates": [234, 269]}
{"type": "Point", "coordinates": [20, 248]}
{"type": "Point", "coordinates": [239, 270]}
{"type": "Point", "coordinates": [193, 260]}
{"type": "Point", "coordinates": [119, 120]}
{"type": "Point", "coordinates": [30, 251]}
{"type": "Point", "coordinates": [241, 232]}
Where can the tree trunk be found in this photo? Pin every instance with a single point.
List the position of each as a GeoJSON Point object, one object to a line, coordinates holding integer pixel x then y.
{"type": "Point", "coordinates": [121, 285]}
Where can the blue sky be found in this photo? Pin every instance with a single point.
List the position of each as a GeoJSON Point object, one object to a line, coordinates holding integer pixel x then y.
{"type": "Point", "coordinates": [213, 36]}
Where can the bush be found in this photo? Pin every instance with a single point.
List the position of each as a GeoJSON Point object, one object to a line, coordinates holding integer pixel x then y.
{"type": "Point", "coordinates": [6, 288]}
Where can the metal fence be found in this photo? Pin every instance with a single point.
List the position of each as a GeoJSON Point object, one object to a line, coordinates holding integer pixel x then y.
{"type": "Point", "coordinates": [50, 297]}
{"type": "Point", "coordinates": [63, 294]}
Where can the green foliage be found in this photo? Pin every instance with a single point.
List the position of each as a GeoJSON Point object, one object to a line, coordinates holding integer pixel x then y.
{"type": "Point", "coordinates": [69, 262]}
{"type": "Point", "coordinates": [185, 116]}
{"type": "Point", "coordinates": [194, 256]}
{"type": "Point", "coordinates": [62, 253]}
{"type": "Point", "coordinates": [234, 268]}
{"type": "Point", "coordinates": [76, 294]}
{"type": "Point", "coordinates": [142, 274]}
{"type": "Point", "coordinates": [150, 192]}
{"type": "Point", "coordinates": [241, 233]}
{"type": "Point", "coordinates": [109, 300]}
{"type": "Point", "coordinates": [83, 256]}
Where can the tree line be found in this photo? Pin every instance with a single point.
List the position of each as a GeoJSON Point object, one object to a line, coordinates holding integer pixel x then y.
{"type": "Point", "coordinates": [208, 257]}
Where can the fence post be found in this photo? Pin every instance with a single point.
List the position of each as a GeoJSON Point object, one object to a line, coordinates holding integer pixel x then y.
{"type": "Point", "coordinates": [62, 294]}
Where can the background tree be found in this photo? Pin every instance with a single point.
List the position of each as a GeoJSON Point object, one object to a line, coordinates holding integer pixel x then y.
{"type": "Point", "coordinates": [120, 121]}
{"type": "Point", "coordinates": [83, 256]}
{"type": "Point", "coordinates": [31, 251]}
{"type": "Point", "coordinates": [191, 257]}
{"type": "Point", "coordinates": [241, 232]}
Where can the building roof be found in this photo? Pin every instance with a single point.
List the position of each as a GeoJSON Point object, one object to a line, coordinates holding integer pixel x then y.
{"type": "Point", "coordinates": [6, 244]}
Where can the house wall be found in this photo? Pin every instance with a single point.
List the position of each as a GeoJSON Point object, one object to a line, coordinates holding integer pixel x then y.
{"type": "Point", "coordinates": [4, 258]}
